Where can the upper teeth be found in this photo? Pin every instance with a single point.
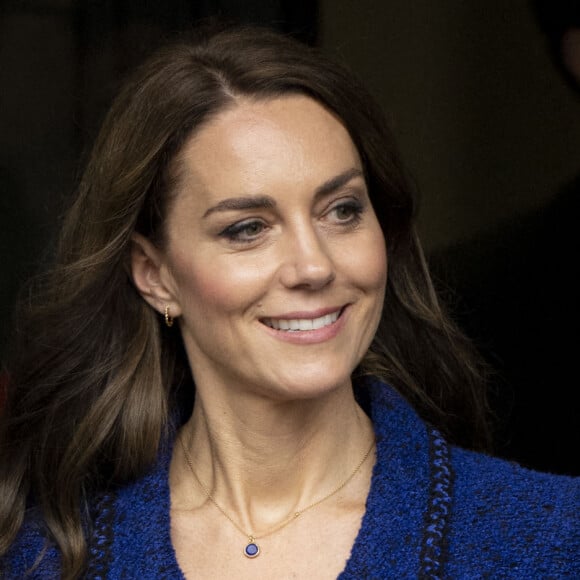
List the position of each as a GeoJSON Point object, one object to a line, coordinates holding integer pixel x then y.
{"type": "Point", "coordinates": [302, 323]}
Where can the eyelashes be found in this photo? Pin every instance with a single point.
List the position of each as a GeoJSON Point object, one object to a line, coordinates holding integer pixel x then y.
{"type": "Point", "coordinates": [245, 231]}
{"type": "Point", "coordinates": [345, 214]}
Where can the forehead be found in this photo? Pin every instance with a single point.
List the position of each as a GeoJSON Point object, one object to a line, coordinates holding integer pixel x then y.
{"type": "Point", "coordinates": [258, 145]}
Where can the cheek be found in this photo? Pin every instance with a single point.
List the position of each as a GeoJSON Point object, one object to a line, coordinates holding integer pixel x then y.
{"type": "Point", "coordinates": [368, 262]}
{"type": "Point", "coordinates": [223, 286]}
{"type": "Point", "coordinates": [378, 262]}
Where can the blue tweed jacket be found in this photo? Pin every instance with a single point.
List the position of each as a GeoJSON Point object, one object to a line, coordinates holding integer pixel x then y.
{"type": "Point", "coordinates": [433, 511]}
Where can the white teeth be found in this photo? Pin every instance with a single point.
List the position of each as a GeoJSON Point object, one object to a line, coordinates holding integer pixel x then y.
{"type": "Point", "coordinates": [322, 321]}
{"type": "Point", "coordinates": [302, 323]}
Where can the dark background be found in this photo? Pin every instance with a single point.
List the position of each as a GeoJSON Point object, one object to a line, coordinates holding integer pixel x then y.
{"type": "Point", "coordinates": [488, 127]}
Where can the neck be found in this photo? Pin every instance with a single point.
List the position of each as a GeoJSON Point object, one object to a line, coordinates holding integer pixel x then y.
{"type": "Point", "coordinates": [261, 460]}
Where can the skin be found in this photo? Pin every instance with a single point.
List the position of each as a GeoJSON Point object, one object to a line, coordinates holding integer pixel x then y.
{"type": "Point", "coordinates": [275, 424]}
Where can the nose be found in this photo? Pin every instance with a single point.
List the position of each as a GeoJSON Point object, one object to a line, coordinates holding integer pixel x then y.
{"type": "Point", "coordinates": [307, 261]}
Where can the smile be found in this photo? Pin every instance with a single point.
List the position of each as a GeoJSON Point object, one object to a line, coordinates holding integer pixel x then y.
{"type": "Point", "coordinates": [302, 324]}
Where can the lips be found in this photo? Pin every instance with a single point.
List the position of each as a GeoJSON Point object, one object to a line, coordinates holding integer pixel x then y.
{"type": "Point", "coordinates": [302, 324]}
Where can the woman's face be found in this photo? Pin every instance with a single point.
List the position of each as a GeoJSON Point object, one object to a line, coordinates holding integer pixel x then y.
{"type": "Point", "coordinates": [275, 260]}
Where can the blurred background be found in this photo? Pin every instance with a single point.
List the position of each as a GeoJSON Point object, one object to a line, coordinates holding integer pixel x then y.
{"type": "Point", "coordinates": [486, 121]}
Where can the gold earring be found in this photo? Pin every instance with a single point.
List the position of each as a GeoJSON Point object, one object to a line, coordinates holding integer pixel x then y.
{"type": "Point", "coordinates": [168, 318]}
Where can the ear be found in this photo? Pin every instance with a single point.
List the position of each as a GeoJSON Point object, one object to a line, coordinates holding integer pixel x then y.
{"type": "Point", "coordinates": [151, 276]}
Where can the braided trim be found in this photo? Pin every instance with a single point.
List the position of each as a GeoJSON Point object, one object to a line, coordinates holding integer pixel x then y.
{"type": "Point", "coordinates": [101, 538]}
{"type": "Point", "coordinates": [434, 540]}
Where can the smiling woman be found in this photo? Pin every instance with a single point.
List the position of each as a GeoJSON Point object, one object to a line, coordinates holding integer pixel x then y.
{"type": "Point", "coordinates": [221, 378]}
{"type": "Point", "coordinates": [249, 277]}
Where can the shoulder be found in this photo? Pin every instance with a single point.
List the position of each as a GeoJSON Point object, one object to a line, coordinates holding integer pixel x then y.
{"type": "Point", "coordinates": [31, 555]}
{"type": "Point", "coordinates": [467, 514]}
{"type": "Point", "coordinates": [511, 518]}
{"type": "Point", "coordinates": [497, 472]}
{"type": "Point", "coordinates": [500, 489]}
{"type": "Point", "coordinates": [129, 530]}
{"type": "Point", "coordinates": [35, 555]}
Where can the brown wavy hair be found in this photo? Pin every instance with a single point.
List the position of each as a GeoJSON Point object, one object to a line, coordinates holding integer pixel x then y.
{"type": "Point", "coordinates": [95, 376]}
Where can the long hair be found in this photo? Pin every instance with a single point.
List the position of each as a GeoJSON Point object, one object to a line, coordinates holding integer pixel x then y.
{"type": "Point", "coordinates": [96, 376]}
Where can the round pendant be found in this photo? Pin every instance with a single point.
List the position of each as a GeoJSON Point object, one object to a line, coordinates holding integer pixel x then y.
{"type": "Point", "coordinates": [251, 550]}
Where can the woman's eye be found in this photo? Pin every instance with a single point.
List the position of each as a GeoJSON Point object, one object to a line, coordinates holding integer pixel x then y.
{"type": "Point", "coordinates": [347, 212]}
{"type": "Point", "coordinates": [246, 231]}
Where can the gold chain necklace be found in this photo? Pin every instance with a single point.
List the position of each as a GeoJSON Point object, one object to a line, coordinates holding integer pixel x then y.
{"type": "Point", "coordinates": [251, 550]}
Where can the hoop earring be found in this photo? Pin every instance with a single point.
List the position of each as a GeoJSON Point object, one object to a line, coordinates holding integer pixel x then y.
{"type": "Point", "coordinates": [168, 318]}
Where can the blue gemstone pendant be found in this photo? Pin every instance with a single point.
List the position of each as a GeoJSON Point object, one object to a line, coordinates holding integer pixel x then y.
{"type": "Point", "coordinates": [251, 550]}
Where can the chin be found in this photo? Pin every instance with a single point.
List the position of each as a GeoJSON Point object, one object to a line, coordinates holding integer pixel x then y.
{"type": "Point", "coordinates": [305, 385]}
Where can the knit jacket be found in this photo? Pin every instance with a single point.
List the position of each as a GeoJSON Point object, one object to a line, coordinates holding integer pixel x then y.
{"type": "Point", "coordinates": [433, 511]}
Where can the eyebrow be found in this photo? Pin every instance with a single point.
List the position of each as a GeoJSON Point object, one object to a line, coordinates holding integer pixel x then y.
{"type": "Point", "coordinates": [267, 202]}
{"type": "Point", "coordinates": [337, 182]}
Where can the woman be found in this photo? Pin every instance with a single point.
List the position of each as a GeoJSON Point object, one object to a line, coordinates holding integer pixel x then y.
{"type": "Point", "coordinates": [201, 390]}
